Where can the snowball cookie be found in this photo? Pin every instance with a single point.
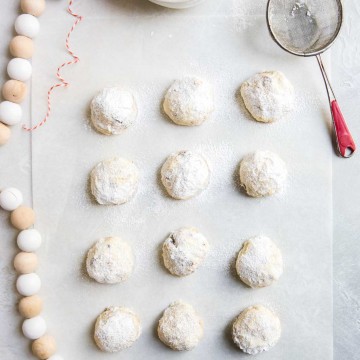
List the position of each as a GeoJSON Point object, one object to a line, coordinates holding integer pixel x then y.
{"type": "Point", "coordinates": [114, 181]}
{"type": "Point", "coordinates": [110, 261]}
{"type": "Point", "coordinates": [256, 329]}
{"type": "Point", "coordinates": [180, 327]}
{"type": "Point", "coordinates": [189, 101]}
{"type": "Point", "coordinates": [113, 110]}
{"type": "Point", "coordinates": [262, 173]}
{"type": "Point", "coordinates": [268, 96]}
{"type": "Point", "coordinates": [116, 328]}
{"type": "Point", "coordinates": [185, 174]}
{"type": "Point", "coordinates": [184, 251]}
{"type": "Point", "coordinates": [259, 262]}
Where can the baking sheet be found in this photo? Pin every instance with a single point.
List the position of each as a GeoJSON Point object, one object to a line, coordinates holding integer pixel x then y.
{"type": "Point", "coordinates": [144, 47]}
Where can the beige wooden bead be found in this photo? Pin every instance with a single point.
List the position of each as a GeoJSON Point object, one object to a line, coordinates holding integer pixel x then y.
{"type": "Point", "coordinates": [21, 47]}
{"type": "Point", "coordinates": [14, 91]}
{"type": "Point", "coordinates": [33, 7]}
{"type": "Point", "coordinates": [5, 134]}
{"type": "Point", "coordinates": [25, 263]}
{"type": "Point", "coordinates": [44, 347]}
{"type": "Point", "coordinates": [30, 306]}
{"type": "Point", "coordinates": [22, 217]}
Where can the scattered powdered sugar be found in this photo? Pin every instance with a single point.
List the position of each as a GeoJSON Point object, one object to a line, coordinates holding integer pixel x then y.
{"type": "Point", "coordinates": [110, 261]}
{"type": "Point", "coordinates": [116, 328]}
{"type": "Point", "coordinates": [256, 329]}
{"type": "Point", "coordinates": [269, 96]}
{"type": "Point", "coordinates": [184, 251]}
{"type": "Point", "coordinates": [185, 174]}
{"type": "Point", "coordinates": [262, 173]}
{"type": "Point", "coordinates": [180, 327]}
{"type": "Point", "coordinates": [259, 262]}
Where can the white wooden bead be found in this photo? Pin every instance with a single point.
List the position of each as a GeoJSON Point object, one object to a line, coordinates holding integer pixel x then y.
{"type": "Point", "coordinates": [28, 284]}
{"type": "Point", "coordinates": [27, 25]}
{"type": "Point", "coordinates": [19, 69]}
{"type": "Point", "coordinates": [34, 328]}
{"type": "Point", "coordinates": [29, 240]}
{"type": "Point", "coordinates": [10, 113]}
{"type": "Point", "coordinates": [10, 199]}
{"type": "Point", "coordinates": [56, 357]}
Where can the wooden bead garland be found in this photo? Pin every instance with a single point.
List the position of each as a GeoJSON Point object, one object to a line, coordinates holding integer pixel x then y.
{"type": "Point", "coordinates": [21, 47]}
{"type": "Point", "coordinates": [30, 306]}
{"type": "Point", "coordinates": [22, 218]}
{"type": "Point", "coordinates": [33, 7]}
{"type": "Point", "coordinates": [44, 347]}
{"type": "Point", "coordinates": [25, 263]}
{"type": "Point", "coordinates": [5, 134]}
{"type": "Point", "coordinates": [14, 90]}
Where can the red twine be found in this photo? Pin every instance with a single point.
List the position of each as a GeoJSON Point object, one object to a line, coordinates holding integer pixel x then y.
{"type": "Point", "coordinates": [63, 82]}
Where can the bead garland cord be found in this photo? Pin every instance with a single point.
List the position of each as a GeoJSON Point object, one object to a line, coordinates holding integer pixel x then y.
{"type": "Point", "coordinates": [63, 82]}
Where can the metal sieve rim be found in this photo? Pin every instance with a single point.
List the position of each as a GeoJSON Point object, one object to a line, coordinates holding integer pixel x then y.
{"type": "Point", "coordinates": [313, 53]}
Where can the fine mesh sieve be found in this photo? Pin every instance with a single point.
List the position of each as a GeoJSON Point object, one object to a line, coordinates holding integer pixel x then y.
{"type": "Point", "coordinates": [308, 28]}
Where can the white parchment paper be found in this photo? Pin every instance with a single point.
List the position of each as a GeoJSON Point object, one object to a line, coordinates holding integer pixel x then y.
{"type": "Point", "coordinates": [144, 47]}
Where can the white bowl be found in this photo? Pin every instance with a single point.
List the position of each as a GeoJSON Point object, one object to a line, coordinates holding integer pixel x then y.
{"type": "Point", "coordinates": [177, 4]}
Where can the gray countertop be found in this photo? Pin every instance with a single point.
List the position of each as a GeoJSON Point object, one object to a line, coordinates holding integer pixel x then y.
{"type": "Point", "coordinates": [346, 180]}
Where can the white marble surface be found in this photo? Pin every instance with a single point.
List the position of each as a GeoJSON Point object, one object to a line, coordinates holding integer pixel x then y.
{"type": "Point", "coordinates": [346, 64]}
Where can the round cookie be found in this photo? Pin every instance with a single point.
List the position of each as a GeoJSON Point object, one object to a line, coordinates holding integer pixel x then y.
{"type": "Point", "coordinates": [268, 96]}
{"type": "Point", "coordinates": [110, 261]}
{"type": "Point", "coordinates": [114, 181]}
{"type": "Point", "coordinates": [256, 329]}
{"type": "Point", "coordinates": [185, 174]}
{"type": "Point", "coordinates": [189, 101]}
{"type": "Point", "coordinates": [116, 328]}
{"type": "Point", "coordinates": [259, 262]}
{"type": "Point", "coordinates": [262, 173]}
{"type": "Point", "coordinates": [180, 327]}
{"type": "Point", "coordinates": [113, 110]}
{"type": "Point", "coordinates": [184, 251]}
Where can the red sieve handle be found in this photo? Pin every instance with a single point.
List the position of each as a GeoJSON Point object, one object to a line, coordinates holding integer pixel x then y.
{"type": "Point", "coordinates": [345, 142]}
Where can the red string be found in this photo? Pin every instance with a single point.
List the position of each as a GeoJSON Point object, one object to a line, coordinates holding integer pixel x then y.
{"type": "Point", "coordinates": [63, 82]}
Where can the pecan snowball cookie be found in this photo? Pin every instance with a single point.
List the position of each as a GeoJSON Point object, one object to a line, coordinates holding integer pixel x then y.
{"type": "Point", "coordinates": [185, 174]}
{"type": "Point", "coordinates": [189, 101]}
{"type": "Point", "coordinates": [110, 261]}
{"type": "Point", "coordinates": [180, 327]}
{"type": "Point", "coordinates": [117, 328]}
{"type": "Point", "coordinates": [113, 110]}
{"type": "Point", "coordinates": [259, 262]}
{"type": "Point", "coordinates": [114, 181]}
{"type": "Point", "coordinates": [184, 251]}
{"type": "Point", "coordinates": [256, 329]}
{"type": "Point", "coordinates": [262, 173]}
{"type": "Point", "coordinates": [268, 96]}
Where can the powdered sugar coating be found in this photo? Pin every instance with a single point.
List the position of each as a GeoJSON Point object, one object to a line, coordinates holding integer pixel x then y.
{"type": "Point", "coordinates": [269, 96]}
{"type": "Point", "coordinates": [114, 181]}
{"type": "Point", "coordinates": [259, 262]}
{"type": "Point", "coordinates": [180, 327]}
{"type": "Point", "coordinates": [184, 251]}
{"type": "Point", "coordinates": [113, 110]}
{"type": "Point", "coordinates": [256, 329]}
{"type": "Point", "coordinates": [262, 173]}
{"type": "Point", "coordinates": [116, 328]}
{"type": "Point", "coordinates": [185, 174]}
{"type": "Point", "coordinates": [110, 261]}
{"type": "Point", "coordinates": [189, 101]}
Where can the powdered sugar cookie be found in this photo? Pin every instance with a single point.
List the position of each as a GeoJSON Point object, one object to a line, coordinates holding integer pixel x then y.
{"type": "Point", "coordinates": [189, 101]}
{"type": "Point", "coordinates": [185, 174]}
{"type": "Point", "coordinates": [184, 251]}
{"type": "Point", "coordinates": [259, 262]}
{"type": "Point", "coordinates": [268, 96]}
{"type": "Point", "coordinates": [116, 328]}
{"type": "Point", "coordinates": [256, 329]}
{"type": "Point", "coordinates": [114, 181]}
{"type": "Point", "coordinates": [113, 110]}
{"type": "Point", "coordinates": [180, 327]}
{"type": "Point", "coordinates": [110, 261]}
{"type": "Point", "coordinates": [262, 173]}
